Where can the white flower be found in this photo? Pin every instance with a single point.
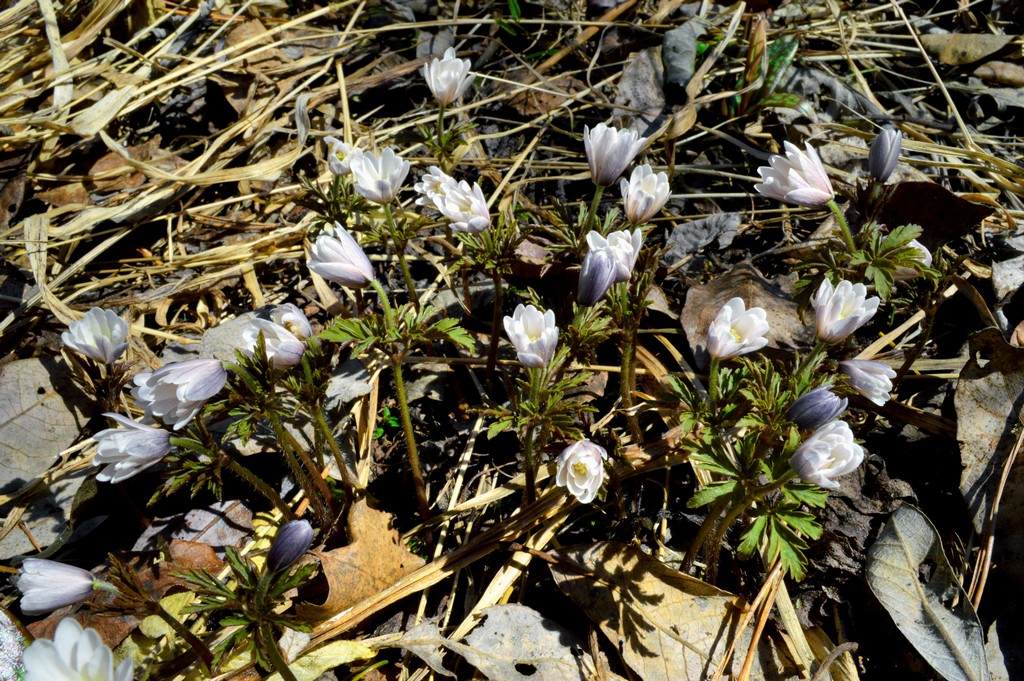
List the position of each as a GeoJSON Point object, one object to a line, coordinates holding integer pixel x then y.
{"type": "Point", "coordinates": [176, 392]}
{"type": "Point", "coordinates": [337, 257]}
{"type": "Point", "coordinates": [885, 153]}
{"type": "Point", "coordinates": [608, 261]}
{"type": "Point", "coordinates": [293, 319]}
{"type": "Point", "coordinates": [610, 151]}
{"type": "Point", "coordinates": [74, 654]}
{"type": "Point", "coordinates": [581, 470]}
{"type": "Point", "coordinates": [378, 178]}
{"type": "Point", "coordinates": [100, 335]}
{"type": "Point", "coordinates": [46, 585]}
{"type": "Point", "coordinates": [534, 335]}
{"type": "Point", "coordinates": [435, 181]}
{"type": "Point", "coordinates": [644, 194]}
{"type": "Point", "coordinates": [840, 311]}
{"type": "Point", "coordinates": [340, 155]}
{"type": "Point", "coordinates": [798, 177]}
{"type": "Point", "coordinates": [464, 205]}
{"type": "Point", "coordinates": [827, 454]}
{"type": "Point", "coordinates": [126, 451]}
{"type": "Point", "coordinates": [448, 78]}
{"type": "Point", "coordinates": [737, 331]}
{"type": "Point", "coordinates": [873, 380]}
{"type": "Point", "coordinates": [283, 348]}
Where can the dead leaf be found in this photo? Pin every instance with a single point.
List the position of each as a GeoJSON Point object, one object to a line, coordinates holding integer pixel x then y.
{"type": "Point", "coordinates": [1002, 73]}
{"type": "Point", "coordinates": [12, 185]}
{"type": "Point", "coordinates": [942, 214]}
{"type": "Point", "coordinates": [957, 49]}
{"type": "Point", "coordinates": [546, 96]}
{"type": "Point", "coordinates": [640, 98]}
{"type": "Point", "coordinates": [373, 561]}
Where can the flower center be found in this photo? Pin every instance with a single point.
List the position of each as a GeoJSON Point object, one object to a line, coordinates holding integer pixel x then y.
{"type": "Point", "coordinates": [736, 335]}
{"type": "Point", "coordinates": [579, 468]}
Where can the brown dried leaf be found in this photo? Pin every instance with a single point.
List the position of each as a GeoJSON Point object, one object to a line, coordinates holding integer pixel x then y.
{"type": "Point", "coordinates": [957, 49]}
{"type": "Point", "coordinates": [1002, 73]}
{"type": "Point", "coordinates": [546, 96]}
{"type": "Point", "coordinates": [942, 214]}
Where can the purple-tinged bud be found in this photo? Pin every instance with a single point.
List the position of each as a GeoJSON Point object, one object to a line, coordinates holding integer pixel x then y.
{"type": "Point", "coordinates": [885, 153]}
{"type": "Point", "coordinates": [816, 408]}
{"type": "Point", "coordinates": [291, 542]}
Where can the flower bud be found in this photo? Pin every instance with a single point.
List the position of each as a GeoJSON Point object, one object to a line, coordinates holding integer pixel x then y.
{"type": "Point", "coordinates": [336, 256]}
{"type": "Point", "coordinates": [46, 585]}
{"type": "Point", "coordinates": [873, 380]}
{"type": "Point", "coordinates": [885, 153]}
{"type": "Point", "coordinates": [816, 408]}
{"type": "Point", "coordinates": [798, 177]}
{"type": "Point", "coordinates": [123, 452]}
{"type": "Point", "coordinates": [828, 453]}
{"type": "Point", "coordinates": [100, 335]}
{"type": "Point", "coordinates": [581, 470]}
{"type": "Point", "coordinates": [290, 544]}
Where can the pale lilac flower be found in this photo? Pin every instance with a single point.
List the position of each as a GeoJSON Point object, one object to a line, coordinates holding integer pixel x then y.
{"type": "Point", "coordinates": [873, 380]}
{"type": "Point", "coordinates": [176, 392]}
{"type": "Point", "coordinates": [534, 335]}
{"type": "Point", "coordinates": [464, 205]}
{"type": "Point", "coordinates": [432, 183]}
{"type": "Point", "coordinates": [46, 585]}
{"type": "Point", "coordinates": [840, 311]}
{"type": "Point", "coordinates": [340, 155]}
{"type": "Point", "coordinates": [283, 348]}
{"type": "Point", "coordinates": [100, 335]}
{"type": "Point", "coordinates": [292, 318]}
{"type": "Point", "coordinates": [885, 153]}
{"type": "Point", "coordinates": [123, 452]}
{"type": "Point", "coordinates": [291, 542]}
{"type": "Point", "coordinates": [827, 454]}
{"type": "Point", "coordinates": [736, 330]}
{"type": "Point", "coordinates": [798, 177]}
{"type": "Point", "coordinates": [337, 257]}
{"type": "Point", "coordinates": [610, 151]}
{"type": "Point", "coordinates": [816, 408]}
{"type": "Point", "coordinates": [74, 654]}
{"type": "Point", "coordinates": [448, 78]}
{"type": "Point", "coordinates": [378, 178]}
{"type": "Point", "coordinates": [608, 261]}
{"type": "Point", "coordinates": [644, 194]}
{"type": "Point", "coordinates": [581, 470]}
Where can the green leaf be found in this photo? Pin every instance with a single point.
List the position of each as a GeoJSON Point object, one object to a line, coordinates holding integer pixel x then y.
{"type": "Point", "coordinates": [714, 491]}
{"type": "Point", "coordinates": [499, 427]}
{"type": "Point", "coordinates": [801, 521]}
{"type": "Point", "coordinates": [898, 238]}
{"type": "Point", "coordinates": [753, 537]}
{"type": "Point", "coordinates": [805, 493]}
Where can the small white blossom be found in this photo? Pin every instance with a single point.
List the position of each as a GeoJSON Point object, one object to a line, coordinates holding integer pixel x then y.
{"type": "Point", "coordinates": [46, 585]}
{"type": "Point", "coordinates": [123, 452]}
{"type": "Point", "coordinates": [448, 78]}
{"type": "Point", "coordinates": [608, 261]}
{"type": "Point", "coordinates": [827, 454]}
{"type": "Point", "coordinates": [176, 392]}
{"type": "Point", "coordinates": [100, 335]}
{"type": "Point", "coordinates": [292, 318]}
{"type": "Point", "coordinates": [798, 177]}
{"type": "Point", "coordinates": [534, 335]}
{"type": "Point", "coordinates": [340, 155]}
{"type": "Point", "coordinates": [283, 348]}
{"type": "Point", "coordinates": [610, 151]}
{"type": "Point", "coordinates": [378, 178]}
{"type": "Point", "coordinates": [644, 194]}
{"type": "Point", "coordinates": [840, 311]}
{"type": "Point", "coordinates": [74, 654]}
{"type": "Point", "coordinates": [581, 470]}
{"type": "Point", "coordinates": [873, 380]}
{"type": "Point", "coordinates": [336, 256]}
{"type": "Point", "coordinates": [433, 182]}
{"type": "Point", "coordinates": [736, 330]}
{"type": "Point", "coordinates": [464, 205]}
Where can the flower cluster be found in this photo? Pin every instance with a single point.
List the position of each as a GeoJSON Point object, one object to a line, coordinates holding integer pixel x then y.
{"type": "Point", "coordinates": [463, 204]}
{"type": "Point", "coordinates": [284, 335]}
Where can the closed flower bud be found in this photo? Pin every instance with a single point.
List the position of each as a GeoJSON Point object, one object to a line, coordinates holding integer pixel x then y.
{"type": "Point", "coordinates": [885, 153]}
{"type": "Point", "coordinates": [100, 335]}
{"type": "Point", "coordinates": [922, 253]}
{"type": "Point", "coordinates": [736, 331]}
{"type": "Point", "coordinates": [448, 78]}
{"type": "Point", "coordinates": [340, 155]}
{"type": "Point", "coordinates": [123, 452]}
{"type": "Point", "coordinates": [798, 178]}
{"type": "Point", "coordinates": [464, 205]}
{"type": "Point", "coordinates": [74, 654]}
{"type": "Point", "coordinates": [829, 453]}
{"type": "Point", "coordinates": [337, 257]}
{"type": "Point", "coordinates": [176, 392]}
{"type": "Point", "coordinates": [816, 408]}
{"type": "Point", "coordinates": [581, 470]}
{"type": "Point", "coordinates": [534, 335]}
{"type": "Point", "coordinates": [378, 178]}
{"type": "Point", "coordinates": [840, 311]}
{"type": "Point", "coordinates": [610, 151]}
{"type": "Point", "coordinates": [873, 380]}
{"type": "Point", "coordinates": [644, 194]}
{"type": "Point", "coordinates": [291, 543]}
{"type": "Point", "coordinates": [46, 585]}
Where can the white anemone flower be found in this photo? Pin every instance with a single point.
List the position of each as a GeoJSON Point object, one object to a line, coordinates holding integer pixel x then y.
{"type": "Point", "coordinates": [340, 155]}
{"type": "Point", "coordinates": [74, 654]}
{"type": "Point", "coordinates": [581, 470]}
{"type": "Point", "coordinates": [644, 194]}
{"type": "Point", "coordinates": [873, 380]}
{"type": "Point", "coordinates": [100, 335]}
{"type": "Point", "coordinates": [841, 310]}
{"type": "Point", "coordinates": [448, 78]}
{"type": "Point", "coordinates": [176, 392]}
{"type": "Point", "coordinates": [336, 256]}
{"type": "Point", "coordinates": [46, 585]}
{"type": "Point", "coordinates": [534, 335]}
{"type": "Point", "coordinates": [736, 330]}
{"type": "Point", "coordinates": [124, 452]}
{"type": "Point", "coordinates": [378, 178]}
{"type": "Point", "coordinates": [610, 151]}
{"type": "Point", "coordinates": [798, 177]}
{"type": "Point", "coordinates": [827, 454]}
{"type": "Point", "coordinates": [464, 205]}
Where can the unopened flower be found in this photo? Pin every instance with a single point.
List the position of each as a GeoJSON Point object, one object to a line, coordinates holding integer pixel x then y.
{"type": "Point", "coordinates": [340, 155]}
{"type": "Point", "coordinates": [464, 205]}
{"type": "Point", "coordinates": [176, 392]}
{"type": "Point", "coordinates": [448, 78]}
{"type": "Point", "coordinates": [644, 194]}
{"type": "Point", "coordinates": [433, 182]}
{"type": "Point", "coordinates": [74, 654]}
{"type": "Point", "coordinates": [46, 585]}
{"type": "Point", "coordinates": [337, 257]}
{"type": "Point", "coordinates": [123, 452]}
{"type": "Point", "coordinates": [827, 454]}
{"type": "Point", "coordinates": [798, 177]}
{"type": "Point", "coordinates": [378, 178]}
{"type": "Point", "coordinates": [737, 330]}
{"type": "Point", "coordinates": [100, 335]}
{"type": "Point", "coordinates": [283, 348]}
{"type": "Point", "coordinates": [840, 311]}
{"type": "Point", "coordinates": [885, 153]}
{"type": "Point", "coordinates": [610, 151]}
{"type": "Point", "coordinates": [903, 273]}
{"type": "Point", "coordinates": [291, 542]}
{"type": "Point", "coordinates": [608, 261]}
{"type": "Point", "coordinates": [581, 470]}
{"type": "Point", "coordinates": [816, 408]}
{"type": "Point", "coordinates": [873, 380]}
{"type": "Point", "coordinates": [534, 335]}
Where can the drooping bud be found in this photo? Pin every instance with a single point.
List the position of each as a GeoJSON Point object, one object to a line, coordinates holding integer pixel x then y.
{"type": "Point", "coordinates": [885, 153]}
{"type": "Point", "coordinates": [290, 544]}
{"type": "Point", "coordinates": [816, 408]}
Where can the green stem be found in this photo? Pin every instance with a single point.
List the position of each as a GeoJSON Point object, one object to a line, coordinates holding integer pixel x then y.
{"type": "Point", "coordinates": [811, 361]}
{"type": "Point", "coordinates": [263, 488]}
{"type": "Point", "coordinates": [310, 479]}
{"type": "Point", "coordinates": [280, 664]}
{"type": "Point", "coordinates": [193, 641]}
{"type": "Point", "coordinates": [339, 459]}
{"type": "Point", "coordinates": [529, 439]}
{"type": "Point", "coordinates": [713, 385]}
{"type": "Point", "coordinates": [591, 220]}
{"type": "Point", "coordinates": [845, 228]}
{"type": "Point", "coordinates": [400, 248]}
{"type": "Point", "coordinates": [410, 440]}
{"type": "Point", "coordinates": [702, 534]}
{"type": "Point", "coordinates": [442, 143]}
{"type": "Point", "coordinates": [492, 352]}
{"type": "Point", "coordinates": [627, 381]}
